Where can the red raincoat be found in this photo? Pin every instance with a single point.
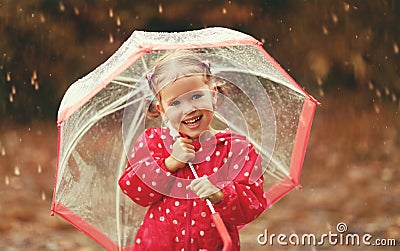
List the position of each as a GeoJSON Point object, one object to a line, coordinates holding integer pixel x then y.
{"type": "Point", "coordinates": [177, 219]}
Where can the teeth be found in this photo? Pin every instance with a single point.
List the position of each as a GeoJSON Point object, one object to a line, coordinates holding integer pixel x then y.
{"type": "Point", "coordinates": [192, 120]}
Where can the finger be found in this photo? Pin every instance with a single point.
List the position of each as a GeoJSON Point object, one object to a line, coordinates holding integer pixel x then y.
{"type": "Point", "coordinates": [187, 146]}
{"type": "Point", "coordinates": [194, 184]}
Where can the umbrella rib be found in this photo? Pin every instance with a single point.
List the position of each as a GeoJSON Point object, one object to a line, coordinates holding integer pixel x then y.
{"type": "Point", "coordinates": [254, 73]}
{"type": "Point", "coordinates": [122, 83]}
{"type": "Point", "coordinates": [144, 64]}
{"type": "Point", "coordinates": [86, 127]}
{"type": "Point", "coordinates": [121, 168]}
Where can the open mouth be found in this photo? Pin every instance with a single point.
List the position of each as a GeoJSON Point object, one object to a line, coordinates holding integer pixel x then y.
{"type": "Point", "coordinates": [192, 121]}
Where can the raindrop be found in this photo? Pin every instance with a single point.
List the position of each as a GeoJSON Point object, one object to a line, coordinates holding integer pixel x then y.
{"type": "Point", "coordinates": [43, 196]}
{"type": "Point", "coordinates": [321, 92]}
{"type": "Point", "coordinates": [11, 98]}
{"type": "Point", "coordinates": [325, 30]}
{"type": "Point", "coordinates": [13, 90]}
{"type": "Point", "coordinates": [395, 48]}
{"type": "Point", "coordinates": [76, 11]}
{"type": "Point", "coordinates": [387, 91]}
{"type": "Point", "coordinates": [111, 13]}
{"type": "Point", "coordinates": [36, 86]}
{"type": "Point", "coordinates": [319, 81]}
{"type": "Point", "coordinates": [376, 108]}
{"type": "Point", "coordinates": [111, 38]}
{"type": "Point", "coordinates": [224, 11]}
{"type": "Point", "coordinates": [378, 93]}
{"type": "Point", "coordinates": [39, 168]}
{"type": "Point", "coordinates": [61, 6]}
{"type": "Point", "coordinates": [370, 85]}
{"type": "Point", "coordinates": [42, 18]}
{"type": "Point", "coordinates": [335, 18]}
{"type": "Point", "coordinates": [3, 151]}
{"type": "Point", "coordinates": [7, 180]}
{"type": "Point", "coordinates": [17, 172]}
{"type": "Point", "coordinates": [8, 77]}
{"type": "Point", "coordinates": [160, 8]}
{"type": "Point", "coordinates": [346, 7]}
{"type": "Point", "coordinates": [394, 97]}
{"type": "Point", "coordinates": [118, 21]}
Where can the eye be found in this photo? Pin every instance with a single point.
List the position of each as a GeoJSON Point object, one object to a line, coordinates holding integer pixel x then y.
{"type": "Point", "coordinates": [196, 96]}
{"type": "Point", "coordinates": [174, 103]}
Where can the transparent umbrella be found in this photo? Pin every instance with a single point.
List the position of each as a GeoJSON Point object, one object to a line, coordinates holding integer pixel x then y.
{"type": "Point", "coordinates": [102, 115]}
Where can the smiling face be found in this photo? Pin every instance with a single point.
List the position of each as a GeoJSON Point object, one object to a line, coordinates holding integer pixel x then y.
{"type": "Point", "coordinates": [188, 105]}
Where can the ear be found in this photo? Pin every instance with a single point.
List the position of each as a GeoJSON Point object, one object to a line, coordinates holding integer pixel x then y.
{"type": "Point", "coordinates": [159, 108]}
{"type": "Point", "coordinates": [215, 97]}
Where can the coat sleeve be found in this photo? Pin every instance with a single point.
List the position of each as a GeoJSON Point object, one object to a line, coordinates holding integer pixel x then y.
{"type": "Point", "coordinates": [244, 198]}
{"type": "Point", "coordinates": [144, 177]}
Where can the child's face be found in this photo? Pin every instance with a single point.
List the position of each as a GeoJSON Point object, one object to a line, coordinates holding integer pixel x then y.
{"type": "Point", "coordinates": [188, 105]}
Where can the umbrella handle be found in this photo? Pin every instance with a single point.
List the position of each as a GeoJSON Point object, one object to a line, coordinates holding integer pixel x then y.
{"type": "Point", "coordinates": [219, 223]}
{"type": "Point", "coordinates": [223, 232]}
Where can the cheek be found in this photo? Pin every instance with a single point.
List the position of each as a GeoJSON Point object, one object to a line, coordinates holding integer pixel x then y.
{"type": "Point", "coordinates": [173, 114]}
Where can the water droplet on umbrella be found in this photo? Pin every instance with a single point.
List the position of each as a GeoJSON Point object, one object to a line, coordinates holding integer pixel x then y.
{"type": "Point", "coordinates": [160, 8]}
{"type": "Point", "coordinates": [17, 172]}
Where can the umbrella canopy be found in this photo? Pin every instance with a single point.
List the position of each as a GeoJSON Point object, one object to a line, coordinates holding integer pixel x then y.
{"type": "Point", "coordinates": [102, 115]}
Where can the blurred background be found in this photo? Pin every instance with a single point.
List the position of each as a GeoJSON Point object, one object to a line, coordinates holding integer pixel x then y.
{"type": "Point", "coordinates": [345, 53]}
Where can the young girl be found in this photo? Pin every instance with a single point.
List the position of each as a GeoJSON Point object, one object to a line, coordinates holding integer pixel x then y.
{"type": "Point", "coordinates": [158, 175]}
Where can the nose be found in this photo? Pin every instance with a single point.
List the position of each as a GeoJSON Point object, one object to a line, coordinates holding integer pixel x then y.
{"type": "Point", "coordinates": [188, 107]}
